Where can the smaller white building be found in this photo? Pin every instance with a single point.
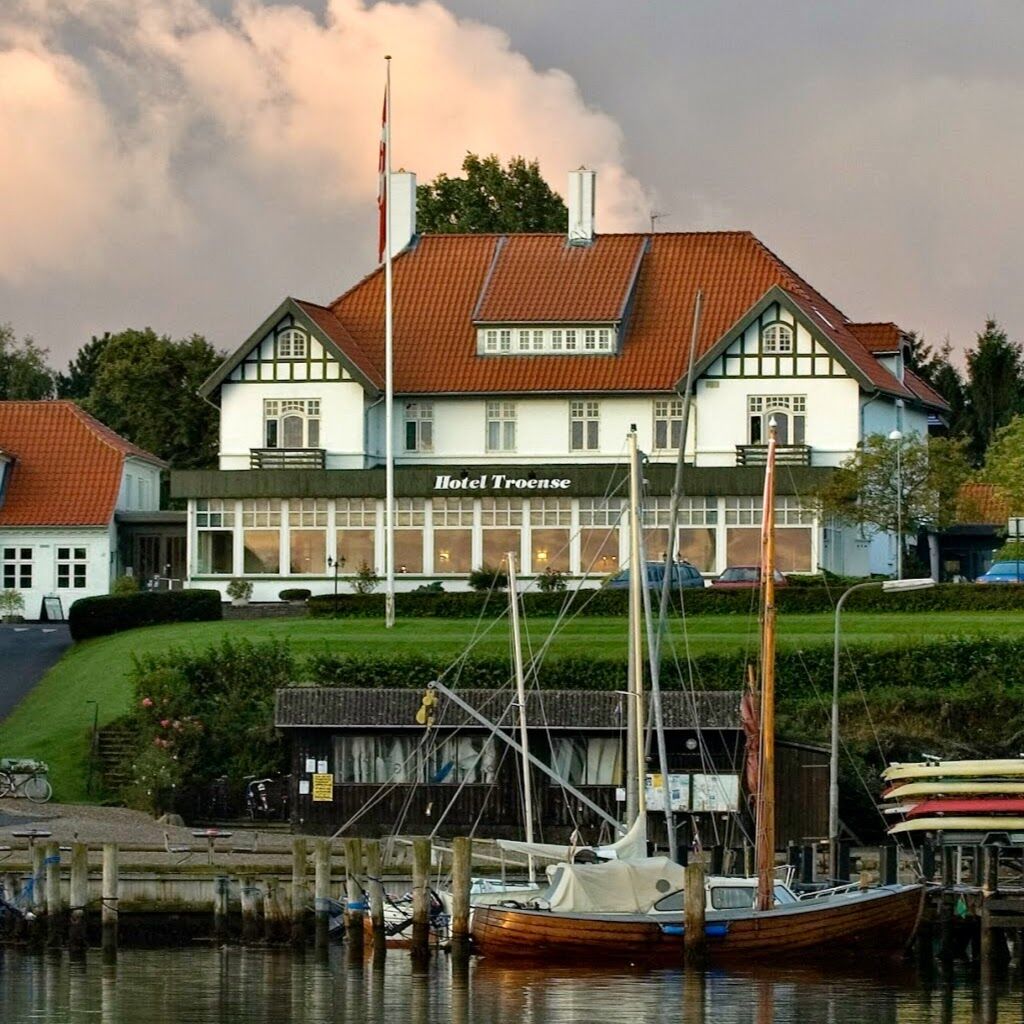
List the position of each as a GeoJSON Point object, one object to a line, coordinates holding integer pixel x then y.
{"type": "Point", "coordinates": [64, 479]}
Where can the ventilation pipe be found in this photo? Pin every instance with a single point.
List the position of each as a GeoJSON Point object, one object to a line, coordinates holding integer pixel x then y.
{"type": "Point", "coordinates": [582, 186]}
{"type": "Point", "coordinates": [403, 210]}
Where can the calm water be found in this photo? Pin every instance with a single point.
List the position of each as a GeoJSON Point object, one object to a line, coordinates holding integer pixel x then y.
{"type": "Point", "coordinates": [232, 985]}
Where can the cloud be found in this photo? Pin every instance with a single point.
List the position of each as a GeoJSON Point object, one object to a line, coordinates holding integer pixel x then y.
{"type": "Point", "coordinates": [132, 115]}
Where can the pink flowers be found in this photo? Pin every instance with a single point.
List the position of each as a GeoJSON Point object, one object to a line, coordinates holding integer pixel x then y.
{"type": "Point", "coordinates": [164, 722]}
{"type": "Point", "coordinates": [147, 702]}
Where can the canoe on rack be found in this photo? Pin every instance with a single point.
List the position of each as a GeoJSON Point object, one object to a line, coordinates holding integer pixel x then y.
{"type": "Point", "coordinates": [1012, 767]}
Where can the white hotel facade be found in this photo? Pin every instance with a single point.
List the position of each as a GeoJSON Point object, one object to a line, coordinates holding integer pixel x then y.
{"type": "Point", "coordinates": [521, 362]}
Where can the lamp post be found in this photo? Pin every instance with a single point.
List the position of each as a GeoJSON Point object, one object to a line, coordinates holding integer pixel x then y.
{"type": "Point", "coordinates": [898, 438]}
{"type": "Point", "coordinates": [333, 563]}
{"type": "Point", "coordinates": [889, 587]}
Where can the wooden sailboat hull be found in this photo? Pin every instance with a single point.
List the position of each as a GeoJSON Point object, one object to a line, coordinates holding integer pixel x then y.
{"type": "Point", "coordinates": [875, 920]}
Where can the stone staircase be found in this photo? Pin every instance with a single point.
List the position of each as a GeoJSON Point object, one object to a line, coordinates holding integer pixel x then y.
{"type": "Point", "coordinates": [115, 745]}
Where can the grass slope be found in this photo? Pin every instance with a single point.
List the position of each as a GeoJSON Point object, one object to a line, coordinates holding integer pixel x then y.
{"type": "Point", "coordinates": [54, 721]}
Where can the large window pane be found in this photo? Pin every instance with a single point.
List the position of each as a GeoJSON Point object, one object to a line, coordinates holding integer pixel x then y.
{"type": "Point", "coordinates": [793, 550]}
{"type": "Point", "coordinates": [743, 547]}
{"type": "Point", "coordinates": [453, 551]}
{"type": "Point", "coordinates": [497, 545]}
{"type": "Point", "coordinates": [408, 551]}
{"type": "Point", "coordinates": [214, 552]}
{"type": "Point", "coordinates": [656, 544]}
{"type": "Point", "coordinates": [549, 549]}
{"type": "Point", "coordinates": [308, 551]}
{"type": "Point", "coordinates": [697, 546]}
{"type": "Point", "coordinates": [262, 551]}
{"type": "Point", "coordinates": [355, 549]}
{"type": "Point", "coordinates": [599, 550]}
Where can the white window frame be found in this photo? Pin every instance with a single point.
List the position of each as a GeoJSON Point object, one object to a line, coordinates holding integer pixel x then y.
{"type": "Point", "coordinates": [276, 410]}
{"type": "Point", "coordinates": [586, 339]}
{"type": "Point", "coordinates": [585, 414]}
{"type": "Point", "coordinates": [764, 407]}
{"type": "Point", "coordinates": [777, 338]}
{"type": "Point", "coordinates": [419, 416]}
{"type": "Point", "coordinates": [72, 563]}
{"type": "Point", "coordinates": [502, 416]}
{"type": "Point", "coordinates": [16, 566]}
{"type": "Point", "coordinates": [292, 343]}
{"type": "Point", "coordinates": [669, 413]}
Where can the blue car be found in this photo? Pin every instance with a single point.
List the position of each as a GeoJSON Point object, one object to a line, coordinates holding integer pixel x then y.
{"type": "Point", "coordinates": [1003, 572]}
{"type": "Point", "coordinates": [683, 575]}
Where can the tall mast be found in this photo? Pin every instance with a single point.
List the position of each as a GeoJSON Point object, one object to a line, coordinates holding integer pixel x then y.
{"type": "Point", "coordinates": [636, 804]}
{"type": "Point", "coordinates": [389, 396]}
{"type": "Point", "coordinates": [766, 788]}
{"type": "Point", "coordinates": [517, 655]}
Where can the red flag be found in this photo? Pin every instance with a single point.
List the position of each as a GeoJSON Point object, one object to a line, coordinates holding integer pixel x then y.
{"type": "Point", "coordinates": [750, 716]}
{"type": "Point", "coordinates": [382, 185]}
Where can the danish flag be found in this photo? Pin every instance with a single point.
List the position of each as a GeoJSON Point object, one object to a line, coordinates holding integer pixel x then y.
{"type": "Point", "coordinates": [382, 184]}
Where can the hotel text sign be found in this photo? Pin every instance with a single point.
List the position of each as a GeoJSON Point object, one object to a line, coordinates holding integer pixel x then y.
{"type": "Point", "coordinates": [499, 482]}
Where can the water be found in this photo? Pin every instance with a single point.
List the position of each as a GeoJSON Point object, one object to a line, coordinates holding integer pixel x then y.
{"type": "Point", "coordinates": [244, 986]}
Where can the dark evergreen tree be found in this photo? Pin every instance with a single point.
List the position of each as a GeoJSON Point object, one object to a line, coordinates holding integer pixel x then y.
{"type": "Point", "coordinates": [995, 385]}
{"type": "Point", "coordinates": [78, 382]}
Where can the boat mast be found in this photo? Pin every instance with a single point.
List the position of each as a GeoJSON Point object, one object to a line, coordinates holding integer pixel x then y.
{"type": "Point", "coordinates": [766, 773]}
{"type": "Point", "coordinates": [636, 804]}
{"type": "Point", "coordinates": [517, 656]}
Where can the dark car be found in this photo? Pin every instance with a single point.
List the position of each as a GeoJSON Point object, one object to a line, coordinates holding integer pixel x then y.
{"type": "Point", "coordinates": [1003, 572]}
{"type": "Point", "coordinates": [684, 575]}
{"type": "Point", "coordinates": [744, 577]}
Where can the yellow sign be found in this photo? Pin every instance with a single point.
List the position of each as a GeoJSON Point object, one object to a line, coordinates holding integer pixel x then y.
{"type": "Point", "coordinates": [323, 787]}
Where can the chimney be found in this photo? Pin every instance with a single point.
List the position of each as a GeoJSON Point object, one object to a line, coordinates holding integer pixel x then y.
{"type": "Point", "coordinates": [582, 185]}
{"type": "Point", "coordinates": [403, 210]}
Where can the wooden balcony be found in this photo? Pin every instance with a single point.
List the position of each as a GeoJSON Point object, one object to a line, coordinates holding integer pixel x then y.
{"type": "Point", "coordinates": [287, 458]}
{"type": "Point", "coordinates": [785, 454]}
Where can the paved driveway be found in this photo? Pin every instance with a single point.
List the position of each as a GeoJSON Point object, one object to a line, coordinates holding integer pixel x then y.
{"type": "Point", "coordinates": [26, 652]}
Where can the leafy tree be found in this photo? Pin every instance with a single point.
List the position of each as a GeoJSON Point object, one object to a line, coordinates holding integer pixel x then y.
{"type": "Point", "coordinates": [146, 388]}
{"type": "Point", "coordinates": [1004, 462]}
{"type": "Point", "coordinates": [490, 198]}
{"type": "Point", "coordinates": [24, 373]}
{"type": "Point", "coordinates": [78, 382]}
{"type": "Point", "coordinates": [867, 490]}
{"type": "Point", "coordinates": [995, 385]}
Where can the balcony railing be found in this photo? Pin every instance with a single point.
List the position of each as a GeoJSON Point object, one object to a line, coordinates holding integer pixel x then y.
{"type": "Point", "coordinates": [287, 458]}
{"type": "Point", "coordinates": [785, 454]}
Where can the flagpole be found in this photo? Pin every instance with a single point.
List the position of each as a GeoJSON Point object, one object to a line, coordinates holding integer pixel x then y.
{"type": "Point", "coordinates": [389, 398]}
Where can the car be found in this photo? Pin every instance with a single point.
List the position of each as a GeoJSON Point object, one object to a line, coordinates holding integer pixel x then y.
{"type": "Point", "coordinates": [684, 576]}
{"type": "Point", "coordinates": [744, 577]}
{"type": "Point", "coordinates": [1003, 572]}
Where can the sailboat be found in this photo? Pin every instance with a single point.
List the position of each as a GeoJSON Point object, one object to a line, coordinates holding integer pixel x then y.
{"type": "Point", "coordinates": [633, 910]}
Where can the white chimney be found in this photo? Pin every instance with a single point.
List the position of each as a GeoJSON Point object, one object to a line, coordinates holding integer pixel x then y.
{"type": "Point", "coordinates": [582, 185]}
{"type": "Point", "coordinates": [403, 210]}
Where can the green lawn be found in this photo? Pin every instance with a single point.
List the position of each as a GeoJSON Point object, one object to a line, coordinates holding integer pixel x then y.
{"type": "Point", "coordinates": [54, 721]}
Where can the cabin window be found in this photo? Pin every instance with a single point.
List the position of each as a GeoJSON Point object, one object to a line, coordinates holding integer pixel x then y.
{"type": "Point", "coordinates": [777, 339]}
{"type": "Point", "coordinates": [732, 897]}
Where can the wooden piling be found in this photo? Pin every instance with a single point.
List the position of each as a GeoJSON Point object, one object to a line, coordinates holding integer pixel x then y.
{"type": "Point", "coordinates": [694, 913]}
{"type": "Point", "coordinates": [462, 861]}
{"type": "Point", "coordinates": [949, 879]}
{"type": "Point", "coordinates": [271, 910]}
{"type": "Point", "coordinates": [354, 898]}
{"type": "Point", "coordinates": [421, 898]}
{"type": "Point", "coordinates": [53, 895]}
{"type": "Point", "coordinates": [888, 864]}
{"type": "Point", "coordinates": [78, 897]}
{"type": "Point", "coordinates": [220, 908]}
{"type": "Point", "coordinates": [248, 893]}
{"type": "Point", "coordinates": [322, 890]}
{"type": "Point", "coordinates": [110, 894]}
{"type": "Point", "coordinates": [299, 893]}
{"type": "Point", "coordinates": [375, 884]}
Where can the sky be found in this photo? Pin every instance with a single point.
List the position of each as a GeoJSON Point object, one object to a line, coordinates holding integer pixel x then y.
{"type": "Point", "coordinates": [185, 164]}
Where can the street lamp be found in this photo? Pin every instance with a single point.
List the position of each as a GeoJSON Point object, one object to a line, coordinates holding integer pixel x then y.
{"type": "Point", "coordinates": [898, 437]}
{"type": "Point", "coordinates": [888, 587]}
{"type": "Point", "coordinates": [334, 563]}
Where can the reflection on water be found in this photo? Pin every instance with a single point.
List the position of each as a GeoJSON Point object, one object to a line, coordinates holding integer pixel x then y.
{"type": "Point", "coordinates": [234, 985]}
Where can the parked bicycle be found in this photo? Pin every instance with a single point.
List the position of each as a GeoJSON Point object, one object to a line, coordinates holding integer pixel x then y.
{"type": "Point", "coordinates": [267, 798]}
{"type": "Point", "coordinates": [25, 778]}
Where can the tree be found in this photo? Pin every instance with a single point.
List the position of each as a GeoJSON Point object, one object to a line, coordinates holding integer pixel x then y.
{"type": "Point", "coordinates": [78, 382]}
{"type": "Point", "coordinates": [1004, 462]}
{"type": "Point", "coordinates": [24, 373]}
{"type": "Point", "coordinates": [490, 198]}
{"type": "Point", "coordinates": [146, 388]}
{"type": "Point", "coordinates": [949, 382]}
{"type": "Point", "coordinates": [995, 385]}
{"type": "Point", "coordinates": [867, 490]}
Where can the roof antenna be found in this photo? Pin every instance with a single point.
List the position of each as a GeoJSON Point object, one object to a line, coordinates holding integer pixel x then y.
{"type": "Point", "coordinates": [656, 215]}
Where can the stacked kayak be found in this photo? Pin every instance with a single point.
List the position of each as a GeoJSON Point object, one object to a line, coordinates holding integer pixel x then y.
{"type": "Point", "coordinates": [961, 796]}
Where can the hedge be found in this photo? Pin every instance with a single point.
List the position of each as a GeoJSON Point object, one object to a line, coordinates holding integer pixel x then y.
{"type": "Point", "coordinates": [99, 616]}
{"type": "Point", "coordinates": [947, 597]}
{"type": "Point", "coordinates": [942, 665]}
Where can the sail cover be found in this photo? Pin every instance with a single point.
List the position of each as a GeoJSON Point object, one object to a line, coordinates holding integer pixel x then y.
{"type": "Point", "coordinates": [631, 846]}
{"type": "Point", "coordinates": [615, 887]}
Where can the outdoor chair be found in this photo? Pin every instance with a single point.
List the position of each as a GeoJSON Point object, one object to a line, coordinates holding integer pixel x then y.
{"type": "Point", "coordinates": [181, 852]}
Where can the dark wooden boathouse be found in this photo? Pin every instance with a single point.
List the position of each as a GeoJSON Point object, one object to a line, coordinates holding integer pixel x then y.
{"type": "Point", "coordinates": [360, 759]}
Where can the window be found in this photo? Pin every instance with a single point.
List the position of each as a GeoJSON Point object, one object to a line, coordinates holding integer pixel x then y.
{"type": "Point", "coordinates": [501, 426]}
{"type": "Point", "coordinates": [376, 759]}
{"type": "Point", "coordinates": [261, 536]}
{"type": "Point", "coordinates": [550, 519]}
{"type": "Point", "coordinates": [556, 341]}
{"type": "Point", "coordinates": [307, 521]}
{"type": "Point", "coordinates": [17, 568]}
{"type": "Point", "coordinates": [586, 339]}
{"type": "Point", "coordinates": [502, 521]}
{"type": "Point", "coordinates": [504, 340]}
{"type": "Point", "coordinates": [587, 761]}
{"type": "Point", "coordinates": [419, 426]}
{"type": "Point", "coordinates": [453, 535]}
{"type": "Point", "coordinates": [570, 340]}
{"type": "Point", "coordinates": [788, 411]}
{"type": "Point", "coordinates": [410, 516]}
{"type": "Point", "coordinates": [777, 339]}
{"type": "Point", "coordinates": [292, 344]}
{"type": "Point", "coordinates": [538, 341]}
{"type": "Point", "coordinates": [599, 534]}
{"type": "Point", "coordinates": [355, 519]}
{"type": "Point", "coordinates": [524, 341]}
{"type": "Point", "coordinates": [584, 420]}
{"type": "Point", "coordinates": [71, 568]}
{"type": "Point", "coordinates": [604, 339]}
{"type": "Point", "coordinates": [490, 341]}
{"type": "Point", "coordinates": [214, 539]}
{"type": "Point", "coordinates": [668, 423]}
{"type": "Point", "coordinates": [590, 339]}
{"type": "Point", "coordinates": [793, 541]}
{"type": "Point", "coordinates": [291, 422]}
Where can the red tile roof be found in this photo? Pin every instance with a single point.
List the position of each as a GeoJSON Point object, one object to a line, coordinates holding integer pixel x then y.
{"type": "Point", "coordinates": [983, 503]}
{"type": "Point", "coordinates": [67, 469]}
{"type": "Point", "coordinates": [877, 337]}
{"type": "Point", "coordinates": [443, 281]}
{"type": "Point", "coordinates": [924, 391]}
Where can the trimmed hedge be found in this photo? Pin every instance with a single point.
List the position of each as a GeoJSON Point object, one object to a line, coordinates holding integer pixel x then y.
{"type": "Point", "coordinates": [947, 597]}
{"type": "Point", "coordinates": [944, 665]}
{"type": "Point", "coordinates": [100, 616]}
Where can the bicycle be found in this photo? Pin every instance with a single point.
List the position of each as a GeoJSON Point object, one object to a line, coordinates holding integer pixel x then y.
{"type": "Point", "coordinates": [31, 783]}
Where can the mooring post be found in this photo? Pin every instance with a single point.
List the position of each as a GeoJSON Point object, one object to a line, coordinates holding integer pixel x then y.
{"type": "Point", "coordinates": [354, 900]}
{"type": "Point", "coordinates": [53, 894]}
{"type": "Point", "coordinates": [271, 910]}
{"type": "Point", "coordinates": [78, 896]}
{"type": "Point", "coordinates": [888, 864]}
{"type": "Point", "coordinates": [694, 913]}
{"type": "Point", "coordinates": [949, 879]}
{"type": "Point", "coordinates": [322, 890]}
{"type": "Point", "coordinates": [421, 849]}
{"type": "Point", "coordinates": [298, 891]}
{"type": "Point", "coordinates": [220, 908]}
{"type": "Point", "coordinates": [462, 870]}
{"type": "Point", "coordinates": [110, 892]}
{"type": "Point", "coordinates": [247, 893]}
{"type": "Point", "coordinates": [374, 875]}
{"type": "Point", "coordinates": [927, 862]}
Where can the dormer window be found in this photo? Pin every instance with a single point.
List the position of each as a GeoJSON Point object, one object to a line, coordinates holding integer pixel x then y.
{"type": "Point", "coordinates": [777, 339]}
{"type": "Point", "coordinates": [587, 339]}
{"type": "Point", "coordinates": [292, 344]}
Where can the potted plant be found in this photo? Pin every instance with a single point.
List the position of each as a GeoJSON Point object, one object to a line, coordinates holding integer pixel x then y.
{"type": "Point", "coordinates": [239, 591]}
{"type": "Point", "coordinates": [12, 605]}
